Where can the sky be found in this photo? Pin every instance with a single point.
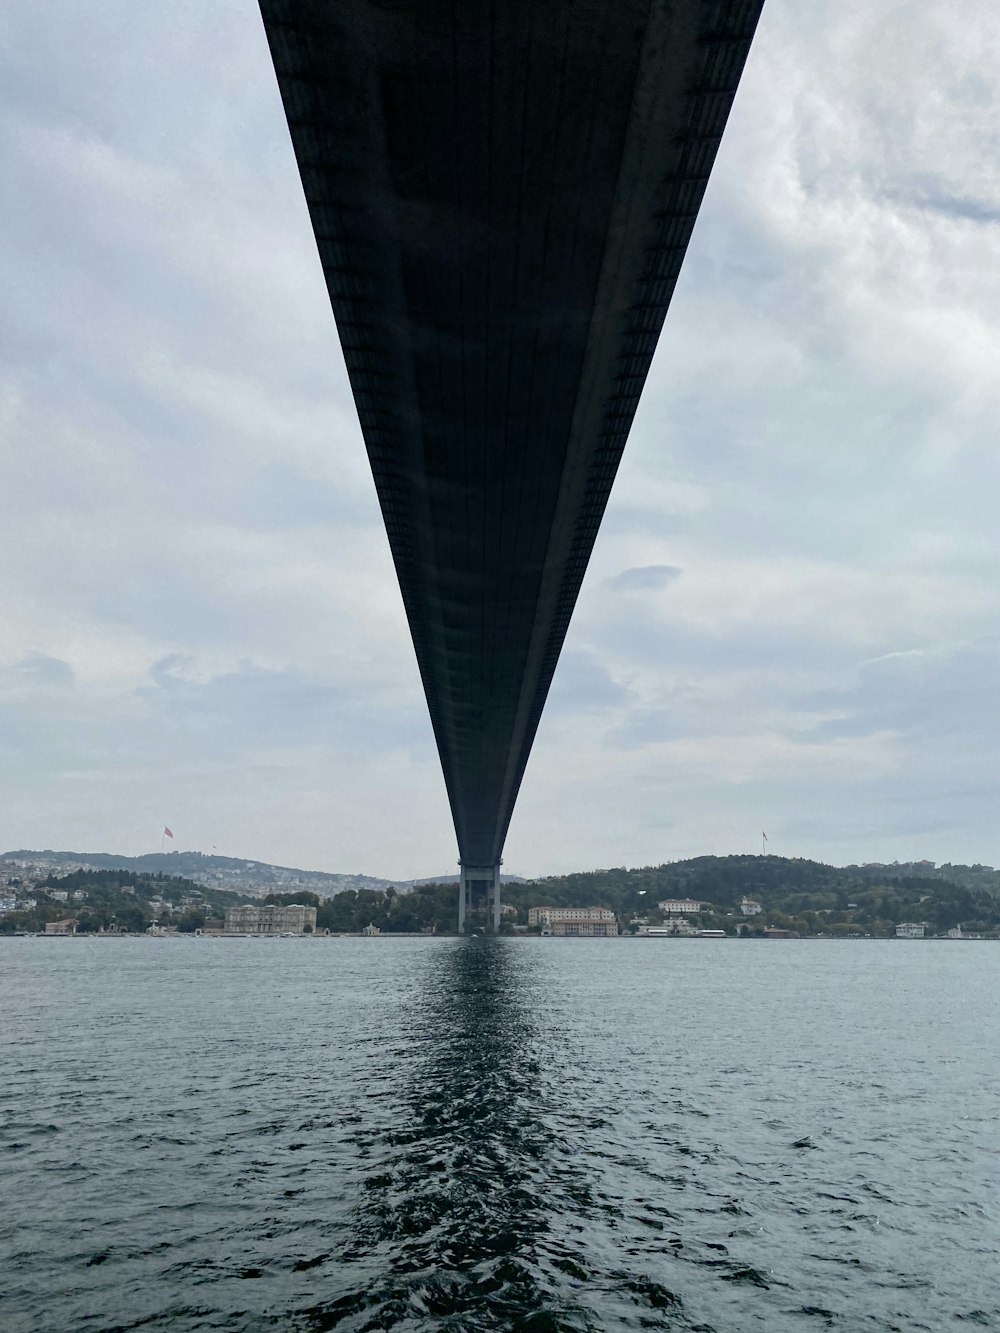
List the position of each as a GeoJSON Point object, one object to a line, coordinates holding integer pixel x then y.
{"type": "Point", "coordinates": [790, 623]}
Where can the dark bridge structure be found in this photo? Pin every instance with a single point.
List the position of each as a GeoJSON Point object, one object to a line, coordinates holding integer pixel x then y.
{"type": "Point", "coordinates": [502, 193]}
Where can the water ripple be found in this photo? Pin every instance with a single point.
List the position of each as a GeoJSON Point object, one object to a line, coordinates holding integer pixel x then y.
{"type": "Point", "coordinates": [476, 1135]}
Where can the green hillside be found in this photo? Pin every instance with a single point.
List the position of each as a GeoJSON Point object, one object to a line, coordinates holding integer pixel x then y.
{"type": "Point", "coordinates": [799, 895]}
{"type": "Point", "coordinates": [118, 900]}
{"type": "Point", "coordinates": [796, 894]}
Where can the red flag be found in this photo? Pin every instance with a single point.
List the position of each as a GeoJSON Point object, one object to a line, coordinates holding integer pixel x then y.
{"type": "Point", "coordinates": [167, 833]}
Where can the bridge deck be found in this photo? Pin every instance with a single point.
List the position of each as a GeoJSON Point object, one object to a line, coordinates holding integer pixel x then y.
{"type": "Point", "coordinates": [502, 193]}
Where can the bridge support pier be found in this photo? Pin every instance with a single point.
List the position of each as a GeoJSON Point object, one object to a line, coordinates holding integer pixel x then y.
{"type": "Point", "coordinates": [479, 898]}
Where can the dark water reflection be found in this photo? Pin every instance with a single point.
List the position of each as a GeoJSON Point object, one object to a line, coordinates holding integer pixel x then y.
{"type": "Point", "coordinates": [454, 1211]}
{"type": "Point", "coordinates": [473, 1214]}
{"type": "Point", "coordinates": [474, 1135]}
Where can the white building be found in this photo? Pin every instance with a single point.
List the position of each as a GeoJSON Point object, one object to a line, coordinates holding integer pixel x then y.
{"type": "Point", "coordinates": [750, 907]}
{"type": "Point", "coordinates": [8, 903]}
{"type": "Point", "coordinates": [680, 906]}
{"type": "Point", "coordinates": [910, 930]}
{"type": "Point", "coordinates": [679, 926]}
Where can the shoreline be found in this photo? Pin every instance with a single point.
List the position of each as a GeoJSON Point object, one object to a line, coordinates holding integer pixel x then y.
{"type": "Point", "coordinates": [453, 935]}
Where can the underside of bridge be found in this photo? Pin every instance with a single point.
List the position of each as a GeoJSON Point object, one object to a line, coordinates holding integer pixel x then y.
{"type": "Point", "coordinates": [502, 193]}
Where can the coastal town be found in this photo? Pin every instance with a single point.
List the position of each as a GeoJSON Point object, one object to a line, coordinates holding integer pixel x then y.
{"type": "Point", "coordinates": [57, 895]}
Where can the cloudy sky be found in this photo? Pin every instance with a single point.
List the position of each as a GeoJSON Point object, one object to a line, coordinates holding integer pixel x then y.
{"type": "Point", "coordinates": [792, 619]}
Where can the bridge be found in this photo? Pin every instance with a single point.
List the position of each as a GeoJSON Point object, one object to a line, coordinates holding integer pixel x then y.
{"type": "Point", "coordinates": [502, 193]}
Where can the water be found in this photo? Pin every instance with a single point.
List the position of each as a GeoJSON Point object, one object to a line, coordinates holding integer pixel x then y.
{"type": "Point", "coordinates": [528, 1134]}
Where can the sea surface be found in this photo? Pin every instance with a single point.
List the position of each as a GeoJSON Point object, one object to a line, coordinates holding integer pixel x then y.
{"type": "Point", "coordinates": [418, 1134]}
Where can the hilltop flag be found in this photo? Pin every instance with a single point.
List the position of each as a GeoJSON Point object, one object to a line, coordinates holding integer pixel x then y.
{"type": "Point", "coordinates": [167, 833]}
{"type": "Point", "coordinates": [763, 835]}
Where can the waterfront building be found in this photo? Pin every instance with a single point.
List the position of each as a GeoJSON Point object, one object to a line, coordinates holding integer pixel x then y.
{"type": "Point", "coordinates": [750, 907]}
{"type": "Point", "coordinates": [678, 926]}
{"type": "Point", "coordinates": [585, 922]}
{"type": "Point", "coordinates": [680, 906]}
{"type": "Point", "coordinates": [582, 929]}
{"type": "Point", "coordinates": [910, 930]}
{"type": "Point", "coordinates": [370, 929]}
{"type": "Point", "coordinates": [271, 919]}
{"type": "Point", "coordinates": [536, 914]}
{"type": "Point", "coordinates": [8, 903]}
{"type": "Point", "coordinates": [65, 927]}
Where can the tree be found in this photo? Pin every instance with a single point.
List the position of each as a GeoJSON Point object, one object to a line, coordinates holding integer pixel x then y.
{"type": "Point", "coordinates": [303, 897]}
{"type": "Point", "coordinates": [191, 921]}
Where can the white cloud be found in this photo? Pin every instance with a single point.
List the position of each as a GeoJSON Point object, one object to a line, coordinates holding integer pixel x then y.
{"type": "Point", "coordinates": [788, 619]}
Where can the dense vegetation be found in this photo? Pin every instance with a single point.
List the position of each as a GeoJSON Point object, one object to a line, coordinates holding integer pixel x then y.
{"type": "Point", "coordinates": [980, 878]}
{"type": "Point", "coordinates": [118, 900]}
{"type": "Point", "coordinates": [798, 895]}
{"type": "Point", "coordinates": [428, 907]}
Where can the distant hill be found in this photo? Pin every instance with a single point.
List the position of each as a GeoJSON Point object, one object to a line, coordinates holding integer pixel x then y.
{"type": "Point", "coordinates": [253, 879]}
{"type": "Point", "coordinates": [112, 900]}
{"type": "Point", "coordinates": [453, 879]}
{"type": "Point", "coordinates": [796, 894]}
{"type": "Point", "coordinates": [978, 877]}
